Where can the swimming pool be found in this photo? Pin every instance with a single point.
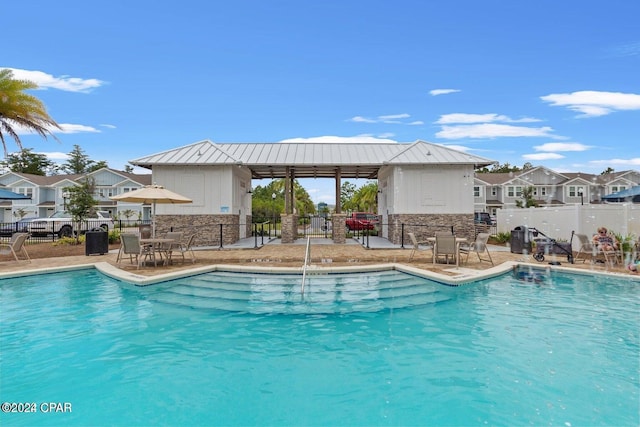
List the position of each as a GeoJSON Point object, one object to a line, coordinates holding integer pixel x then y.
{"type": "Point", "coordinates": [381, 348]}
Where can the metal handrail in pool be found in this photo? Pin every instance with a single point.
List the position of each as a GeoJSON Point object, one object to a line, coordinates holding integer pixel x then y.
{"type": "Point", "coordinates": [307, 258]}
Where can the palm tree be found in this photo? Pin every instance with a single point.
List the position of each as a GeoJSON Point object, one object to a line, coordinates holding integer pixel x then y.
{"type": "Point", "coordinates": [20, 109]}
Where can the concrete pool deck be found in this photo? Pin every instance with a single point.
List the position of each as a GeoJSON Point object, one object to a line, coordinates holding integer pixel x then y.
{"type": "Point", "coordinates": [325, 256]}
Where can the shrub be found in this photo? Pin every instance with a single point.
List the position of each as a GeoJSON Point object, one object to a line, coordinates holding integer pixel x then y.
{"type": "Point", "coordinates": [114, 236]}
{"type": "Point", "coordinates": [69, 241]}
{"type": "Point", "coordinates": [502, 237]}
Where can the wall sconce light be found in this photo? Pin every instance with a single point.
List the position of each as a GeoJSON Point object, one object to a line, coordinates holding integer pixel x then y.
{"type": "Point", "coordinates": [249, 191]}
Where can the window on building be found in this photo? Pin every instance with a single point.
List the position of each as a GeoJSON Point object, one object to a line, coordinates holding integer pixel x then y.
{"type": "Point", "coordinates": [27, 191]}
{"type": "Point", "coordinates": [476, 191]}
{"type": "Point", "coordinates": [494, 191]}
{"type": "Point", "coordinates": [105, 192]}
{"type": "Point", "coordinates": [514, 191]}
{"type": "Point", "coordinates": [576, 190]}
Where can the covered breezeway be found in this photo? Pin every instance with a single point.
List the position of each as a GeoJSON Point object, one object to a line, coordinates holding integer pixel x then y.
{"type": "Point", "coordinates": [406, 173]}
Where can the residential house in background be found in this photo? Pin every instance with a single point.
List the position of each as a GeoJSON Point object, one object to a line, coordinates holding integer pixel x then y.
{"type": "Point", "coordinates": [48, 195]}
{"type": "Point", "coordinates": [493, 191]}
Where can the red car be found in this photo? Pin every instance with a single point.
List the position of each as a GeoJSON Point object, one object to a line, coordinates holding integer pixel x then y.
{"type": "Point", "coordinates": [361, 221]}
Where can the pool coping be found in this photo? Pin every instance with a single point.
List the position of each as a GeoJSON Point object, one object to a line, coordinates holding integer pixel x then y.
{"type": "Point", "coordinates": [466, 276]}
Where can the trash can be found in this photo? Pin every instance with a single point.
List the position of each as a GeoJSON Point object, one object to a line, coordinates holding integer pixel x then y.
{"type": "Point", "coordinates": [96, 242]}
{"type": "Point", "coordinates": [520, 241]}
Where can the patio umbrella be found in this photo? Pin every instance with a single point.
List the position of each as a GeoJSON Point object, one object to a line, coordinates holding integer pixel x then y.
{"type": "Point", "coordinates": [10, 195]}
{"type": "Point", "coordinates": [152, 194]}
{"type": "Point", "coordinates": [629, 195]}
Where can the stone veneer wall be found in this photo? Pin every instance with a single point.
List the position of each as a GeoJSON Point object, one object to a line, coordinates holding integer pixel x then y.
{"type": "Point", "coordinates": [288, 228]}
{"type": "Point", "coordinates": [338, 228]}
{"type": "Point", "coordinates": [425, 225]}
{"type": "Point", "coordinates": [205, 227]}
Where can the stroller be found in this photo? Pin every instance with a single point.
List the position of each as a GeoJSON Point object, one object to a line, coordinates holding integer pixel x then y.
{"type": "Point", "coordinates": [547, 245]}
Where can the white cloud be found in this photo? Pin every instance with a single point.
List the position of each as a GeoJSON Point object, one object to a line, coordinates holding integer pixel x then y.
{"type": "Point", "coordinates": [66, 83]}
{"type": "Point", "coordinates": [543, 156]}
{"type": "Point", "coordinates": [394, 116]}
{"type": "Point", "coordinates": [388, 119]}
{"type": "Point", "coordinates": [66, 128]}
{"type": "Point", "coordinates": [623, 162]}
{"type": "Point", "coordinates": [358, 139]}
{"type": "Point", "coordinates": [360, 119]}
{"type": "Point", "coordinates": [594, 103]}
{"type": "Point", "coordinates": [562, 146]}
{"type": "Point", "coordinates": [105, 125]}
{"type": "Point", "coordinates": [436, 92]}
{"type": "Point", "coordinates": [480, 118]}
{"type": "Point", "coordinates": [71, 128]}
{"type": "Point", "coordinates": [492, 130]}
{"type": "Point", "coordinates": [56, 155]}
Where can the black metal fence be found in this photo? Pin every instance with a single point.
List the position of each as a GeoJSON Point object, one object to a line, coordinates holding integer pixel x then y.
{"type": "Point", "coordinates": [221, 234]}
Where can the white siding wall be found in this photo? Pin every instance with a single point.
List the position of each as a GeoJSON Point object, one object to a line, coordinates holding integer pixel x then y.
{"type": "Point", "coordinates": [443, 189]}
{"type": "Point", "coordinates": [214, 190]}
{"type": "Point", "coordinates": [558, 222]}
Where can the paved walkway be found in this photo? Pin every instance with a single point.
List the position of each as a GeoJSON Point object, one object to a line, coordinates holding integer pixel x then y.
{"type": "Point", "coordinates": [324, 253]}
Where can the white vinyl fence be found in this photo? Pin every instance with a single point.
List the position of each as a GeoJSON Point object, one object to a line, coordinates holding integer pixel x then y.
{"type": "Point", "coordinates": [557, 222]}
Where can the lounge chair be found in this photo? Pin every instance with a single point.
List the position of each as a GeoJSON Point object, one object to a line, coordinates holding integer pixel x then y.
{"type": "Point", "coordinates": [445, 246]}
{"type": "Point", "coordinates": [590, 251]}
{"type": "Point", "coordinates": [417, 246]}
{"type": "Point", "coordinates": [479, 247]}
{"type": "Point", "coordinates": [15, 246]}
{"type": "Point", "coordinates": [140, 252]}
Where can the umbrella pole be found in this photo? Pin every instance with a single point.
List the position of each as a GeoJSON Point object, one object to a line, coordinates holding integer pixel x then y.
{"type": "Point", "coordinates": [153, 220]}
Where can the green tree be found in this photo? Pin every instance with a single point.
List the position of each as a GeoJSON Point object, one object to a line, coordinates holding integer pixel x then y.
{"type": "Point", "coordinates": [81, 203]}
{"type": "Point", "coordinates": [26, 161]}
{"type": "Point", "coordinates": [365, 198]}
{"type": "Point", "coordinates": [128, 168]}
{"type": "Point", "coordinates": [607, 171]}
{"type": "Point", "coordinates": [79, 162]}
{"type": "Point", "coordinates": [498, 168]}
{"type": "Point", "coordinates": [20, 213]}
{"type": "Point", "coordinates": [264, 207]}
{"type": "Point", "coordinates": [347, 191]}
{"type": "Point", "coordinates": [97, 165]}
{"type": "Point", "coordinates": [527, 199]}
{"type": "Point", "coordinates": [21, 110]}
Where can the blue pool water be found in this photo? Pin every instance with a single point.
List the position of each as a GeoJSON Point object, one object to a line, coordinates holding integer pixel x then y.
{"type": "Point", "coordinates": [371, 349]}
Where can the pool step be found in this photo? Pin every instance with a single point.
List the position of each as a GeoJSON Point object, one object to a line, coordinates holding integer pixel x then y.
{"type": "Point", "coordinates": [281, 293]}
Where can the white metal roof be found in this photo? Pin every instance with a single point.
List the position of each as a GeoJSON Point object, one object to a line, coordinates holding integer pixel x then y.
{"type": "Point", "coordinates": [312, 160]}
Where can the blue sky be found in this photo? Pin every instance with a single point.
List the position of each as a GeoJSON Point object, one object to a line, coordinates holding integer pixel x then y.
{"type": "Point", "coordinates": [553, 83]}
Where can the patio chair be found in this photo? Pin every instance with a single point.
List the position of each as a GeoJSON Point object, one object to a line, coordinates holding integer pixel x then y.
{"type": "Point", "coordinates": [15, 246]}
{"type": "Point", "coordinates": [168, 248]}
{"type": "Point", "coordinates": [145, 231]}
{"type": "Point", "coordinates": [140, 252]}
{"type": "Point", "coordinates": [445, 246]}
{"type": "Point", "coordinates": [479, 246]}
{"type": "Point", "coordinates": [187, 248]}
{"type": "Point", "coordinates": [417, 246]}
